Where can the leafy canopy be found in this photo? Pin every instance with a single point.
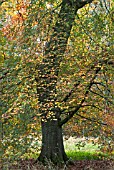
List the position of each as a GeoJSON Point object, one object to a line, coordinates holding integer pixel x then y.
{"type": "Point", "coordinates": [25, 29]}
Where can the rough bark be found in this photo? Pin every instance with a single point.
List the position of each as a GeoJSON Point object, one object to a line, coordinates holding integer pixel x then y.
{"type": "Point", "coordinates": [52, 142]}
{"type": "Point", "coordinates": [49, 68]}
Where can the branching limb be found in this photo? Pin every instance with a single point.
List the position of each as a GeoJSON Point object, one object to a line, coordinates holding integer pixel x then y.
{"type": "Point", "coordinates": [105, 4]}
{"type": "Point", "coordinates": [70, 93]}
{"type": "Point", "coordinates": [71, 113]}
{"type": "Point", "coordinates": [2, 1]}
{"type": "Point", "coordinates": [103, 61]}
{"type": "Point", "coordinates": [78, 83]}
{"type": "Point", "coordinates": [99, 83]}
{"type": "Point", "coordinates": [89, 119]}
{"type": "Point", "coordinates": [91, 105]}
{"type": "Point", "coordinates": [100, 90]}
{"type": "Point", "coordinates": [93, 120]}
{"type": "Point", "coordinates": [65, 111]}
{"type": "Point", "coordinates": [4, 75]}
{"type": "Point", "coordinates": [81, 3]}
{"type": "Point", "coordinates": [106, 98]}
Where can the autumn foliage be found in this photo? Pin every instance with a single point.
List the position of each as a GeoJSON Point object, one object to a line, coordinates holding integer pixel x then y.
{"type": "Point", "coordinates": [85, 74]}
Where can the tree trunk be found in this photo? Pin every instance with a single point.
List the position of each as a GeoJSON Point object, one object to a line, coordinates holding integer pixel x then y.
{"type": "Point", "coordinates": [52, 143]}
{"type": "Point", "coordinates": [52, 140]}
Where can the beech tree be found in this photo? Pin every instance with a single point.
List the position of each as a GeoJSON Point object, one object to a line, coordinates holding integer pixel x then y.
{"type": "Point", "coordinates": [52, 138]}
{"type": "Point", "coordinates": [89, 86]}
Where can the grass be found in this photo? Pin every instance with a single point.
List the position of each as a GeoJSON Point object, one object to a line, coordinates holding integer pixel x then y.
{"type": "Point", "coordinates": [75, 150]}
{"type": "Point", "coordinates": [89, 151]}
{"type": "Point", "coordinates": [84, 155]}
{"type": "Point", "coordinates": [73, 144]}
{"type": "Point", "coordinates": [76, 155]}
{"type": "Point", "coordinates": [85, 150]}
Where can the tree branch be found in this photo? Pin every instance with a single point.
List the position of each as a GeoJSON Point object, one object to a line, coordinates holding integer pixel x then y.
{"type": "Point", "coordinates": [73, 107]}
{"type": "Point", "coordinates": [78, 83]}
{"type": "Point", "coordinates": [4, 75]}
{"type": "Point", "coordinates": [81, 3]}
{"type": "Point", "coordinates": [89, 119]}
{"type": "Point", "coordinates": [70, 93]}
{"type": "Point", "coordinates": [104, 97]}
{"type": "Point", "coordinates": [1, 2]}
{"type": "Point", "coordinates": [89, 105]}
{"type": "Point", "coordinates": [71, 113]}
{"type": "Point", "coordinates": [101, 90]}
{"type": "Point", "coordinates": [78, 3]}
{"type": "Point", "coordinates": [107, 61]}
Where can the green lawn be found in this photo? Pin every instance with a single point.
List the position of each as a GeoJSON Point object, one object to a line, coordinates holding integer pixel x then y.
{"type": "Point", "coordinates": [80, 144]}
{"type": "Point", "coordinates": [84, 151]}
{"type": "Point", "coordinates": [84, 155]}
{"type": "Point", "coordinates": [74, 149]}
{"type": "Point", "coordinates": [87, 151]}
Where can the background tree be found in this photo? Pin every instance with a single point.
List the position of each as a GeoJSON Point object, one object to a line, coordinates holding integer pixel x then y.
{"type": "Point", "coordinates": [57, 64]}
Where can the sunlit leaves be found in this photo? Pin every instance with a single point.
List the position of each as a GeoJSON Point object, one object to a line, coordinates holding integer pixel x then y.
{"type": "Point", "coordinates": [26, 29]}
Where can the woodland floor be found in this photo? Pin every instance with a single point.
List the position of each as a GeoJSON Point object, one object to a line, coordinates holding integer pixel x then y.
{"type": "Point", "coordinates": [77, 165]}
